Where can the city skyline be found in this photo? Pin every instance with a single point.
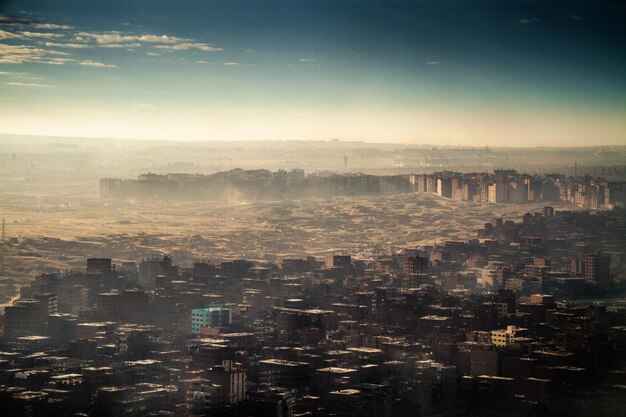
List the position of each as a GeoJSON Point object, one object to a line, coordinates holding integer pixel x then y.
{"type": "Point", "coordinates": [470, 73]}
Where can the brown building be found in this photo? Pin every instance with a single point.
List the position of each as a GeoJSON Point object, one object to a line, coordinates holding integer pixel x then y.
{"type": "Point", "coordinates": [284, 374]}
{"type": "Point", "coordinates": [597, 269]}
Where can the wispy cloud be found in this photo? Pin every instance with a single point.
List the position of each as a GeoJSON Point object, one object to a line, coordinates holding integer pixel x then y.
{"type": "Point", "coordinates": [231, 64]}
{"type": "Point", "coordinates": [19, 74]}
{"type": "Point", "coordinates": [202, 62]}
{"type": "Point", "coordinates": [18, 54]}
{"type": "Point", "coordinates": [528, 20]}
{"type": "Point", "coordinates": [25, 22]}
{"type": "Point", "coordinates": [41, 35]}
{"type": "Point", "coordinates": [13, 20]}
{"type": "Point", "coordinates": [96, 64]}
{"type": "Point", "coordinates": [46, 47]}
{"type": "Point", "coordinates": [119, 39]}
{"type": "Point", "coordinates": [58, 61]}
{"type": "Point", "coordinates": [33, 85]}
{"type": "Point", "coordinates": [307, 59]}
{"type": "Point", "coordinates": [66, 45]}
{"type": "Point", "coordinates": [7, 35]}
{"type": "Point", "coordinates": [51, 26]}
{"type": "Point", "coordinates": [189, 45]}
{"type": "Point", "coordinates": [432, 62]}
{"type": "Point", "coordinates": [120, 45]}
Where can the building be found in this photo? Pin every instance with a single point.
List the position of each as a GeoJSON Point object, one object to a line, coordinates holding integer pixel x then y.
{"type": "Point", "coordinates": [416, 265]}
{"type": "Point", "coordinates": [203, 395]}
{"type": "Point", "coordinates": [284, 374]}
{"type": "Point", "coordinates": [597, 269]}
{"type": "Point", "coordinates": [49, 304]}
{"type": "Point", "coordinates": [232, 377]}
{"type": "Point", "coordinates": [444, 187]}
{"type": "Point", "coordinates": [506, 337]}
{"type": "Point", "coordinates": [338, 261]}
{"type": "Point", "coordinates": [99, 266]}
{"type": "Point", "coordinates": [23, 318]}
{"type": "Point", "coordinates": [270, 402]}
{"type": "Point", "coordinates": [209, 317]}
{"type": "Point", "coordinates": [151, 268]}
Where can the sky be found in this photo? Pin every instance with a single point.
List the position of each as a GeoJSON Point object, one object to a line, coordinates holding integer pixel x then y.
{"type": "Point", "coordinates": [442, 72]}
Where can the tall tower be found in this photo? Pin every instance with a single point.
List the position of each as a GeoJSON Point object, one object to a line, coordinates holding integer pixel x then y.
{"type": "Point", "coordinates": [597, 268]}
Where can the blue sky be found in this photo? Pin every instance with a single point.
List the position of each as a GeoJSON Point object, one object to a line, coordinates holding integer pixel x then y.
{"type": "Point", "coordinates": [441, 72]}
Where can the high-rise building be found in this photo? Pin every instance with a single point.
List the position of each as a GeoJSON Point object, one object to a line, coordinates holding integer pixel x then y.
{"type": "Point", "coordinates": [597, 268]}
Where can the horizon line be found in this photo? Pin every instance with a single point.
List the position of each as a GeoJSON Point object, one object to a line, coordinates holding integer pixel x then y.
{"type": "Point", "coordinates": [332, 140]}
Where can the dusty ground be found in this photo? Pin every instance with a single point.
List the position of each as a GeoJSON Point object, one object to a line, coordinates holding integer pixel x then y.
{"type": "Point", "coordinates": [59, 232]}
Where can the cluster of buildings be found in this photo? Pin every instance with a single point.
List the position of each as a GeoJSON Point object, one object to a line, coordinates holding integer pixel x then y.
{"type": "Point", "coordinates": [497, 325]}
{"type": "Point", "coordinates": [509, 186]}
{"type": "Point", "coordinates": [503, 186]}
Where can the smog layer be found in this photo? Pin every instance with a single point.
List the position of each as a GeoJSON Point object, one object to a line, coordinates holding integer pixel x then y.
{"type": "Point", "coordinates": [54, 217]}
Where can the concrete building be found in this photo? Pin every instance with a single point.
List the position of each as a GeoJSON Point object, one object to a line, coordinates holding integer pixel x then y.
{"type": "Point", "coordinates": [209, 317]}
{"type": "Point", "coordinates": [23, 318]}
{"type": "Point", "coordinates": [232, 377]}
{"type": "Point", "coordinates": [284, 374]}
{"type": "Point", "coordinates": [506, 337]}
{"type": "Point", "coordinates": [416, 265]}
{"type": "Point", "coordinates": [597, 269]}
{"type": "Point", "coordinates": [338, 261]}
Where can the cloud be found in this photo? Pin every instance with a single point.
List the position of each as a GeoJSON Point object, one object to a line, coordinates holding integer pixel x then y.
{"type": "Point", "coordinates": [26, 35]}
{"type": "Point", "coordinates": [231, 64]}
{"type": "Point", "coordinates": [119, 37]}
{"type": "Point", "coordinates": [34, 85]}
{"type": "Point", "coordinates": [119, 40]}
{"type": "Point", "coordinates": [43, 47]}
{"type": "Point", "coordinates": [121, 45]}
{"type": "Point", "coordinates": [58, 61]}
{"type": "Point", "coordinates": [50, 26]}
{"type": "Point", "coordinates": [18, 21]}
{"type": "Point", "coordinates": [41, 35]}
{"type": "Point", "coordinates": [7, 35]}
{"type": "Point", "coordinates": [13, 20]}
{"type": "Point", "coordinates": [66, 45]}
{"type": "Point", "coordinates": [18, 54]}
{"type": "Point", "coordinates": [19, 74]}
{"type": "Point", "coordinates": [307, 59]}
{"type": "Point", "coordinates": [527, 20]}
{"type": "Point", "coordinates": [189, 45]}
{"type": "Point", "coordinates": [432, 62]}
{"type": "Point", "coordinates": [95, 64]}
{"type": "Point", "coordinates": [202, 62]}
